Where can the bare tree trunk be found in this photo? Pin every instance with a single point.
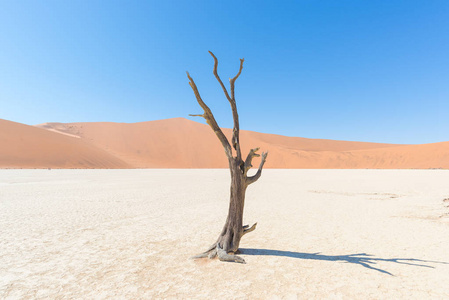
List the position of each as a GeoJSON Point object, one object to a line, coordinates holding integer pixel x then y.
{"type": "Point", "coordinates": [233, 229]}
{"type": "Point", "coordinates": [228, 242]}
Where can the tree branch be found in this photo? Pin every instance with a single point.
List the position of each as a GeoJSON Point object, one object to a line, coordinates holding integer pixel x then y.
{"type": "Point", "coordinates": [247, 229]}
{"type": "Point", "coordinates": [252, 153]}
{"type": "Point", "coordinates": [254, 178]}
{"type": "Point", "coordinates": [236, 131]}
{"type": "Point", "coordinates": [218, 77]}
{"type": "Point", "coordinates": [232, 81]}
{"type": "Point", "coordinates": [210, 119]}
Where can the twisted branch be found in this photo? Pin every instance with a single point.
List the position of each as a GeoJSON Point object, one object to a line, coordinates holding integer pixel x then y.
{"type": "Point", "coordinates": [247, 229]}
{"type": "Point", "coordinates": [210, 119]}
{"type": "Point", "coordinates": [252, 153]}
{"type": "Point", "coordinates": [236, 131]}
{"type": "Point", "coordinates": [232, 81]}
{"type": "Point", "coordinates": [252, 179]}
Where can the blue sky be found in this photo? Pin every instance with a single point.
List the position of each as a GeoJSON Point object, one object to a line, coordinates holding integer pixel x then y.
{"type": "Point", "coordinates": [348, 70]}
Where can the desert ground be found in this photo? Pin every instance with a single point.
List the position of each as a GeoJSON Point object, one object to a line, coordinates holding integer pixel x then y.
{"type": "Point", "coordinates": [326, 234]}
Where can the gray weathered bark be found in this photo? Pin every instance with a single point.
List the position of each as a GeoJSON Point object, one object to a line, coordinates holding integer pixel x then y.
{"type": "Point", "coordinates": [228, 241]}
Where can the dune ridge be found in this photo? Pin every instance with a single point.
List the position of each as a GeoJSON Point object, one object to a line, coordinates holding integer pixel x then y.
{"type": "Point", "coordinates": [24, 146]}
{"type": "Point", "coordinates": [182, 143]}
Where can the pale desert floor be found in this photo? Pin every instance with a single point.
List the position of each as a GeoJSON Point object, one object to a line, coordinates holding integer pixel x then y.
{"type": "Point", "coordinates": [102, 234]}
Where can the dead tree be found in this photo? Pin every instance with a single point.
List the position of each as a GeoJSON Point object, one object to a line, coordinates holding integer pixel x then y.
{"type": "Point", "coordinates": [227, 243]}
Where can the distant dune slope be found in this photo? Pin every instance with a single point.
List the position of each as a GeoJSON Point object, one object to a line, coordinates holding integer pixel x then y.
{"type": "Point", "coordinates": [23, 146]}
{"type": "Point", "coordinates": [181, 143]}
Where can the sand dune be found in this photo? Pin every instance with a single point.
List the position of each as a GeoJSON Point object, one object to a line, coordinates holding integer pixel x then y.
{"type": "Point", "coordinates": [23, 146]}
{"type": "Point", "coordinates": [182, 143]}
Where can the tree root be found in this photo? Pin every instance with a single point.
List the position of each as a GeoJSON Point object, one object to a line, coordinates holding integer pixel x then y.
{"type": "Point", "coordinates": [207, 253]}
{"type": "Point", "coordinates": [223, 256]}
{"type": "Point", "coordinates": [216, 251]}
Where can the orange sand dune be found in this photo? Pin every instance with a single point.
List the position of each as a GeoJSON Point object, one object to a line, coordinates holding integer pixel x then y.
{"type": "Point", "coordinates": [181, 143]}
{"type": "Point", "coordinates": [23, 146]}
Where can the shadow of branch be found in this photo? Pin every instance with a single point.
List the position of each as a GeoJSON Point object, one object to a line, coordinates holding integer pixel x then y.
{"type": "Point", "coordinates": [363, 259]}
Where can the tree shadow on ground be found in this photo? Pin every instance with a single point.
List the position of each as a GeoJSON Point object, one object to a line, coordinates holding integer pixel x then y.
{"type": "Point", "coordinates": [363, 259]}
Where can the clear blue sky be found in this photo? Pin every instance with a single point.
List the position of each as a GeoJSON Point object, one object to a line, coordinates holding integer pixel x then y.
{"type": "Point", "coordinates": [349, 70]}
